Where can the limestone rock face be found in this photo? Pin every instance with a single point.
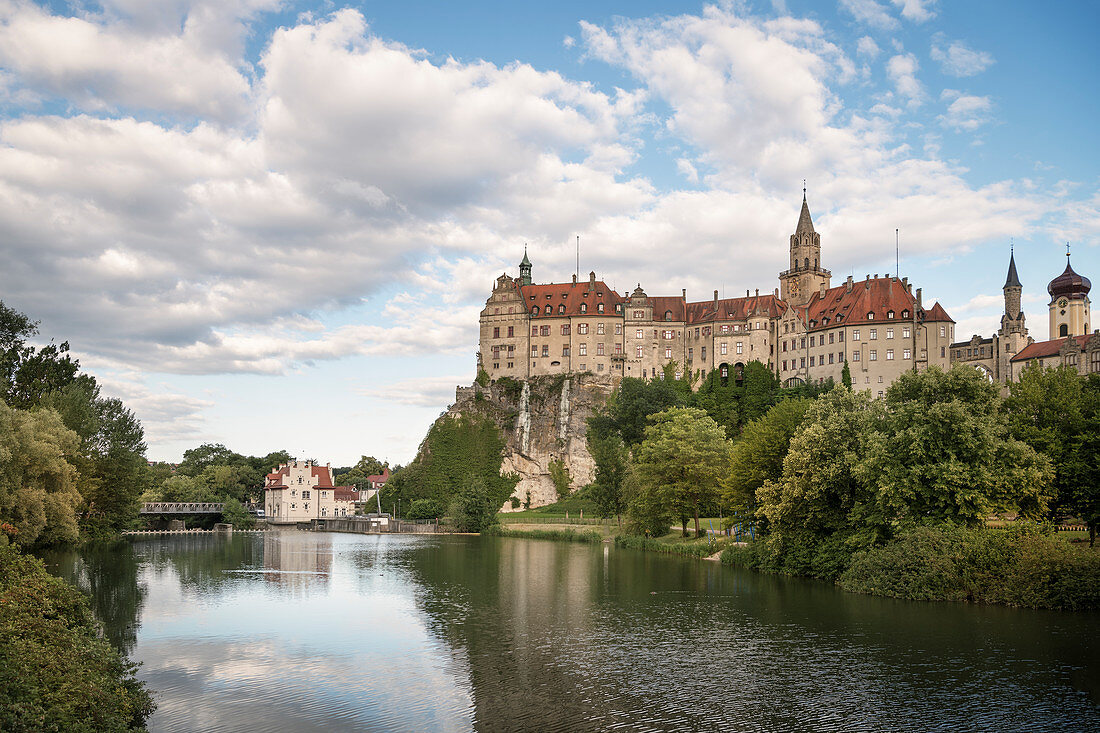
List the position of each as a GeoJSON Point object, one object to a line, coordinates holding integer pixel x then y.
{"type": "Point", "coordinates": [543, 420]}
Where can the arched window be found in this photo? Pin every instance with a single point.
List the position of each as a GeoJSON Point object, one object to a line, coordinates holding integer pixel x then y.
{"type": "Point", "coordinates": [535, 311]}
{"type": "Point", "coordinates": [584, 307]}
{"type": "Point", "coordinates": [1063, 330]}
{"type": "Point", "coordinates": [599, 308]}
{"type": "Point", "coordinates": [561, 308]}
{"type": "Point", "coordinates": [807, 265]}
{"type": "Point", "coordinates": [668, 315]}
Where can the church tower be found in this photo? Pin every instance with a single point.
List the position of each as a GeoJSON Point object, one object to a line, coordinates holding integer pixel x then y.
{"type": "Point", "coordinates": [1069, 303]}
{"type": "Point", "coordinates": [525, 268]}
{"type": "Point", "coordinates": [806, 275]}
{"type": "Point", "coordinates": [1012, 336]}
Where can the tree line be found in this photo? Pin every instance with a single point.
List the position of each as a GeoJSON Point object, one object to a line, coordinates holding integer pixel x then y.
{"type": "Point", "coordinates": [823, 473]}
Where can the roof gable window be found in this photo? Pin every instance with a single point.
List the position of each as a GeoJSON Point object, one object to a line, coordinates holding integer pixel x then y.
{"type": "Point", "coordinates": [905, 313]}
{"type": "Point", "coordinates": [599, 308]}
{"type": "Point", "coordinates": [535, 311]}
{"type": "Point", "coordinates": [561, 308]}
{"type": "Point", "coordinates": [668, 315]}
{"type": "Point", "coordinates": [889, 314]}
{"type": "Point", "coordinates": [584, 306]}
{"type": "Point", "coordinates": [870, 315]}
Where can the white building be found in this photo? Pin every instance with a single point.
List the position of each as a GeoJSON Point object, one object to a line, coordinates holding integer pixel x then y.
{"type": "Point", "coordinates": [301, 490]}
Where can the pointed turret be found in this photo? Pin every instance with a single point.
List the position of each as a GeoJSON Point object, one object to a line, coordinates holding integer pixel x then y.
{"type": "Point", "coordinates": [805, 223]}
{"type": "Point", "coordinates": [1013, 280]}
{"type": "Point", "coordinates": [525, 268]}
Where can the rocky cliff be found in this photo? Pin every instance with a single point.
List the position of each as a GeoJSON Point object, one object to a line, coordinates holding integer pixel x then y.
{"type": "Point", "coordinates": [543, 420]}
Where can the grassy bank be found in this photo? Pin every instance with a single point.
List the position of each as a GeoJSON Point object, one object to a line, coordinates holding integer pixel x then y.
{"type": "Point", "coordinates": [673, 544]}
{"type": "Point", "coordinates": [1024, 566]}
{"type": "Point", "coordinates": [56, 672]}
{"type": "Point", "coordinates": [561, 535]}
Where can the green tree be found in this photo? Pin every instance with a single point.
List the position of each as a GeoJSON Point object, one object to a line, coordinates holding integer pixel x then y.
{"type": "Point", "coordinates": [758, 455]}
{"type": "Point", "coordinates": [559, 474]}
{"type": "Point", "coordinates": [38, 493]}
{"type": "Point", "coordinates": [635, 400]}
{"type": "Point", "coordinates": [196, 460]}
{"type": "Point", "coordinates": [610, 455]}
{"type": "Point", "coordinates": [474, 507]}
{"type": "Point", "coordinates": [1057, 412]}
{"type": "Point", "coordinates": [237, 515]}
{"type": "Point", "coordinates": [683, 457]}
{"type": "Point", "coordinates": [846, 375]}
{"type": "Point", "coordinates": [647, 513]}
{"type": "Point", "coordinates": [943, 453]}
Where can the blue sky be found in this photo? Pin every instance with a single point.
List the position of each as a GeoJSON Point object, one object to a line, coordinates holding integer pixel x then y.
{"type": "Point", "coordinates": [272, 224]}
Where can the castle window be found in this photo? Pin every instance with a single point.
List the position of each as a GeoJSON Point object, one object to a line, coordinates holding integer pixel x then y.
{"type": "Point", "coordinates": [1063, 330]}
{"type": "Point", "coordinates": [906, 354]}
{"type": "Point", "coordinates": [668, 353]}
{"type": "Point", "coordinates": [889, 333]}
{"type": "Point", "coordinates": [1094, 361]}
{"type": "Point", "coordinates": [565, 329]}
{"type": "Point", "coordinates": [582, 329]}
{"type": "Point", "coordinates": [905, 313]}
{"type": "Point", "coordinates": [599, 349]}
{"type": "Point", "coordinates": [561, 308]}
{"type": "Point", "coordinates": [638, 334]}
{"type": "Point", "coordinates": [811, 361]}
{"type": "Point", "coordinates": [511, 331]}
{"type": "Point", "coordinates": [725, 348]}
{"type": "Point", "coordinates": [535, 311]}
{"type": "Point", "coordinates": [855, 356]}
{"type": "Point", "coordinates": [905, 332]}
{"type": "Point", "coordinates": [496, 332]}
{"type": "Point", "coordinates": [874, 334]}
{"type": "Point", "coordinates": [584, 306]}
{"type": "Point", "coordinates": [638, 352]}
{"type": "Point", "coordinates": [737, 348]}
{"type": "Point", "coordinates": [889, 314]}
{"type": "Point", "coordinates": [691, 354]}
{"type": "Point", "coordinates": [874, 355]}
{"type": "Point", "coordinates": [871, 316]}
{"type": "Point", "coordinates": [534, 350]}
{"type": "Point", "coordinates": [565, 351]}
{"type": "Point", "coordinates": [618, 329]}
{"type": "Point", "coordinates": [546, 349]}
{"type": "Point", "coordinates": [943, 331]}
{"type": "Point", "coordinates": [666, 334]}
{"type": "Point", "coordinates": [599, 329]}
{"type": "Point", "coordinates": [618, 307]}
{"type": "Point", "coordinates": [544, 331]}
{"type": "Point", "coordinates": [534, 330]}
{"type": "Point", "coordinates": [889, 355]}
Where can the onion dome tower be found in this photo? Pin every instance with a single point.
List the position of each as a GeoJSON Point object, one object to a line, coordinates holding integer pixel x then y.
{"type": "Point", "coordinates": [1069, 303]}
{"type": "Point", "coordinates": [525, 268]}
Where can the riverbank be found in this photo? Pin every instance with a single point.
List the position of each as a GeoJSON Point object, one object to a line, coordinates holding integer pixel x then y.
{"type": "Point", "coordinates": [56, 670]}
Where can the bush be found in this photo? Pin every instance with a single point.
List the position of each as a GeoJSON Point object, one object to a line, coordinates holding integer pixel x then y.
{"type": "Point", "coordinates": [794, 555]}
{"type": "Point", "coordinates": [423, 509]}
{"type": "Point", "coordinates": [237, 515]}
{"type": "Point", "coordinates": [473, 508]}
{"type": "Point", "coordinates": [1020, 566]}
{"type": "Point", "coordinates": [690, 549]}
{"type": "Point", "coordinates": [56, 673]}
{"type": "Point", "coordinates": [562, 535]}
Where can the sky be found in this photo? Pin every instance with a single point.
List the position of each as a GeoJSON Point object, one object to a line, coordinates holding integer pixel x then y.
{"type": "Point", "coordinates": [272, 224]}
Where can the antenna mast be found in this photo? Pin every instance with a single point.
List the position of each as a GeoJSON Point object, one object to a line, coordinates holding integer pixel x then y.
{"type": "Point", "coordinates": [897, 254]}
{"type": "Point", "coordinates": [578, 257]}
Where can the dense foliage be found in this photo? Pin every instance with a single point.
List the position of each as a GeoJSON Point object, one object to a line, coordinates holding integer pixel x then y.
{"type": "Point", "coordinates": [829, 474]}
{"type": "Point", "coordinates": [456, 451]}
{"type": "Point", "coordinates": [56, 673]}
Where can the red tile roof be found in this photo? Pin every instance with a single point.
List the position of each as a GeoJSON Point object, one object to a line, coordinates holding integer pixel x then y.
{"type": "Point", "coordinates": [878, 296]}
{"type": "Point", "coordinates": [1041, 349]}
{"type": "Point", "coordinates": [735, 309]}
{"type": "Point", "coordinates": [345, 493]}
{"type": "Point", "coordinates": [380, 477]}
{"type": "Point", "coordinates": [570, 295]}
{"type": "Point", "coordinates": [665, 303]}
{"type": "Point", "coordinates": [323, 475]}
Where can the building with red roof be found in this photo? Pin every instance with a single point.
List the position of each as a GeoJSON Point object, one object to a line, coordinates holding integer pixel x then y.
{"type": "Point", "coordinates": [299, 491]}
{"type": "Point", "coordinates": [805, 330]}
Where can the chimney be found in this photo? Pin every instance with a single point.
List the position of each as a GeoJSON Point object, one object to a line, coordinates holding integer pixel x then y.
{"type": "Point", "coordinates": [758, 292]}
{"type": "Point", "coordinates": [574, 278]}
{"type": "Point", "coordinates": [822, 289]}
{"type": "Point", "coordinates": [905, 281]}
{"type": "Point", "coordinates": [775, 292]}
{"type": "Point", "coordinates": [746, 293]}
{"type": "Point", "coordinates": [867, 283]}
{"type": "Point", "coordinates": [876, 276]}
{"type": "Point", "coordinates": [716, 300]}
{"type": "Point", "coordinates": [684, 293]}
{"type": "Point", "coordinates": [919, 305]}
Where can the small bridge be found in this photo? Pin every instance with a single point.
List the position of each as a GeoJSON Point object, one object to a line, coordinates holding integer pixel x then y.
{"type": "Point", "coordinates": [175, 507]}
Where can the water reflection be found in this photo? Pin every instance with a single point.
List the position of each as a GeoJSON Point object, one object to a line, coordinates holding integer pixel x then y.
{"type": "Point", "coordinates": [298, 631]}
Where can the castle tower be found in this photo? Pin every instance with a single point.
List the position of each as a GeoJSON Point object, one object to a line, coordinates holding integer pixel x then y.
{"type": "Point", "coordinates": [1012, 336]}
{"type": "Point", "coordinates": [805, 276]}
{"type": "Point", "coordinates": [1069, 303]}
{"type": "Point", "coordinates": [525, 268]}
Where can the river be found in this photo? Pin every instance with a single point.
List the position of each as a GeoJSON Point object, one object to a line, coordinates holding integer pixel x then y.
{"type": "Point", "coordinates": [295, 631]}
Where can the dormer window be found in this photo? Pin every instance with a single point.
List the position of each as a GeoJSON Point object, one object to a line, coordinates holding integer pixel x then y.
{"type": "Point", "coordinates": [561, 308]}
{"type": "Point", "coordinates": [535, 311]}
{"type": "Point", "coordinates": [905, 314]}
{"type": "Point", "coordinates": [871, 316]}
{"type": "Point", "coordinates": [599, 308]}
{"type": "Point", "coordinates": [889, 314]}
{"type": "Point", "coordinates": [584, 306]}
{"type": "Point", "coordinates": [668, 315]}
{"type": "Point", "coordinates": [548, 296]}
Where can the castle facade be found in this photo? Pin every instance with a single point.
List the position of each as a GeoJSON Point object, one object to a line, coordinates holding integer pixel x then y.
{"type": "Point", "coordinates": [805, 330]}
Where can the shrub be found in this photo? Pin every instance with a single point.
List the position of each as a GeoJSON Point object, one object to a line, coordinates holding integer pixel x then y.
{"type": "Point", "coordinates": [56, 673]}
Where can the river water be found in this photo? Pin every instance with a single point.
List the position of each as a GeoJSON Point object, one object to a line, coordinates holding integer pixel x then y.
{"type": "Point", "coordinates": [295, 631]}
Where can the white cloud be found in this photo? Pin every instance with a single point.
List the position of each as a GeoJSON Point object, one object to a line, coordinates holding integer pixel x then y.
{"type": "Point", "coordinates": [958, 59]}
{"type": "Point", "coordinates": [870, 12]}
{"type": "Point", "coordinates": [425, 392]}
{"type": "Point", "coordinates": [902, 70]}
{"type": "Point", "coordinates": [965, 112]}
{"type": "Point", "coordinates": [867, 48]}
{"type": "Point", "coordinates": [916, 10]}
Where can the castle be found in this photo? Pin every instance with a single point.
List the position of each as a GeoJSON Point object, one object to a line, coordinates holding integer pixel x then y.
{"type": "Point", "coordinates": [804, 331]}
{"type": "Point", "coordinates": [1004, 355]}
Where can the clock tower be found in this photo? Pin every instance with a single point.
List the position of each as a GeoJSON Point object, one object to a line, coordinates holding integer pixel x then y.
{"type": "Point", "coordinates": [1069, 303]}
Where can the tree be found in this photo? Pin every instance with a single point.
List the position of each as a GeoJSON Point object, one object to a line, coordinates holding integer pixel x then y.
{"type": "Point", "coordinates": [474, 507]}
{"type": "Point", "coordinates": [610, 455]}
{"type": "Point", "coordinates": [38, 492]}
{"type": "Point", "coordinates": [28, 374]}
{"type": "Point", "coordinates": [846, 375]}
{"type": "Point", "coordinates": [1057, 413]}
{"type": "Point", "coordinates": [559, 474]}
{"type": "Point", "coordinates": [758, 455]}
{"type": "Point", "coordinates": [683, 456]}
{"type": "Point", "coordinates": [820, 484]}
{"type": "Point", "coordinates": [943, 453]}
{"type": "Point", "coordinates": [195, 460]}
{"type": "Point", "coordinates": [235, 514]}
{"type": "Point", "coordinates": [636, 399]}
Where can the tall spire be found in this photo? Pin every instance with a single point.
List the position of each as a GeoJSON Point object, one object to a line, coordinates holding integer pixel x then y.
{"type": "Point", "coordinates": [805, 223]}
{"type": "Point", "coordinates": [1013, 280]}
